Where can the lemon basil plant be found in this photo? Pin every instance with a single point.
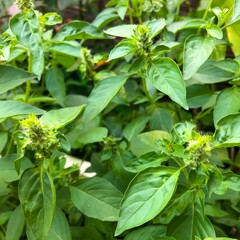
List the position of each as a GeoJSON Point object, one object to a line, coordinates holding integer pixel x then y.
{"type": "Point", "coordinates": [148, 93]}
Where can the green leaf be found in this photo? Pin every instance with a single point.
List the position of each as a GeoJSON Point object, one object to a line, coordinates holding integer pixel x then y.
{"type": "Point", "coordinates": [14, 108]}
{"type": "Point", "coordinates": [198, 95]}
{"type": "Point", "coordinates": [69, 48]}
{"type": "Point", "coordinates": [51, 18]}
{"type": "Point", "coordinates": [147, 195]}
{"type": "Point", "coordinates": [12, 77]}
{"type": "Point", "coordinates": [227, 133]}
{"type": "Point", "coordinates": [175, 208]}
{"type": "Point", "coordinates": [147, 160]}
{"type": "Point", "coordinates": [197, 50]}
{"type": "Point", "coordinates": [3, 140]}
{"type": "Point", "coordinates": [122, 49]}
{"type": "Point", "coordinates": [135, 127]}
{"type": "Point", "coordinates": [219, 238]}
{"type": "Point", "coordinates": [165, 75]}
{"type": "Point", "coordinates": [156, 26]}
{"type": "Point", "coordinates": [61, 117]}
{"type": "Point", "coordinates": [185, 24]}
{"type": "Point", "coordinates": [230, 181]}
{"type": "Point", "coordinates": [15, 224]}
{"type": "Point", "coordinates": [97, 198]}
{"type": "Point", "coordinates": [147, 233]}
{"type": "Point", "coordinates": [60, 229]}
{"type": "Point", "coordinates": [79, 30]}
{"type": "Point", "coordinates": [236, 12]}
{"type": "Point", "coordinates": [26, 27]}
{"type": "Point", "coordinates": [147, 142]}
{"type": "Point", "coordinates": [192, 222]}
{"type": "Point", "coordinates": [93, 135]}
{"type": "Point", "coordinates": [55, 84]}
{"type": "Point", "coordinates": [123, 31]}
{"type": "Point", "coordinates": [7, 167]}
{"type": "Point", "coordinates": [213, 72]}
{"type": "Point", "coordinates": [215, 31]}
{"type": "Point", "coordinates": [229, 96]}
{"type": "Point", "coordinates": [105, 17]}
{"type": "Point", "coordinates": [101, 95]}
{"type": "Point", "coordinates": [38, 200]}
{"type": "Point", "coordinates": [233, 34]}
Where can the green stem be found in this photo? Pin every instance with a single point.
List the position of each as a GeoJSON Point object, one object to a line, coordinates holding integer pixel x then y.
{"type": "Point", "coordinates": [145, 89]}
{"type": "Point", "coordinates": [28, 83]}
{"type": "Point", "coordinates": [206, 13]}
{"type": "Point", "coordinates": [11, 139]}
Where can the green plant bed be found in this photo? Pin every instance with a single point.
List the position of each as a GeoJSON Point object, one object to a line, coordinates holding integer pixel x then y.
{"type": "Point", "coordinates": [148, 96]}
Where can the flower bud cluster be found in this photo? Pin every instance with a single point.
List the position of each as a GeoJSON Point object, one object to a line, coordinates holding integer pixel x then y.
{"type": "Point", "coordinates": [24, 4]}
{"type": "Point", "coordinates": [38, 137]}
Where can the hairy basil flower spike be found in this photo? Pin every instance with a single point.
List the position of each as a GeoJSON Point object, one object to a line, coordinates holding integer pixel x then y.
{"type": "Point", "coordinates": [38, 137]}
{"type": "Point", "coordinates": [24, 4]}
{"type": "Point", "coordinates": [142, 35]}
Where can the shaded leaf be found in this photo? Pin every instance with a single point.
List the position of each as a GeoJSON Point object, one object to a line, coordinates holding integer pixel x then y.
{"type": "Point", "coordinates": [101, 95]}
{"type": "Point", "coordinates": [12, 77]}
{"type": "Point", "coordinates": [97, 198]}
{"type": "Point", "coordinates": [14, 108]}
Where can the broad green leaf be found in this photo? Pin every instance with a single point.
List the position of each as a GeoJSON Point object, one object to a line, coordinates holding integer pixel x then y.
{"type": "Point", "coordinates": [38, 200]}
{"type": "Point", "coordinates": [147, 142]}
{"type": "Point", "coordinates": [214, 211]}
{"type": "Point", "coordinates": [147, 195]}
{"type": "Point", "coordinates": [14, 108]}
{"type": "Point", "coordinates": [3, 140]}
{"type": "Point", "coordinates": [96, 198]}
{"type": "Point", "coordinates": [192, 222]}
{"type": "Point", "coordinates": [79, 30]}
{"type": "Point", "coordinates": [213, 72]}
{"type": "Point", "coordinates": [122, 49]}
{"type": "Point", "coordinates": [198, 95]}
{"type": "Point", "coordinates": [175, 208]}
{"type": "Point", "coordinates": [55, 84]}
{"type": "Point", "coordinates": [215, 31]}
{"type": "Point", "coordinates": [61, 117]}
{"type": "Point", "coordinates": [147, 160]}
{"type": "Point", "coordinates": [228, 65]}
{"type": "Point", "coordinates": [4, 217]}
{"type": "Point", "coordinates": [147, 233]}
{"type": "Point", "coordinates": [26, 27]}
{"type": "Point", "coordinates": [230, 181]}
{"type": "Point", "coordinates": [105, 17]}
{"type": "Point", "coordinates": [197, 50]}
{"type": "Point", "coordinates": [15, 224]}
{"type": "Point", "coordinates": [101, 95]}
{"type": "Point", "coordinates": [7, 167]}
{"type": "Point", "coordinates": [12, 77]}
{"type": "Point", "coordinates": [185, 24]}
{"type": "Point", "coordinates": [60, 229]}
{"type": "Point", "coordinates": [229, 96]}
{"type": "Point", "coordinates": [135, 127]}
{"type": "Point", "coordinates": [165, 75]}
{"type": "Point", "coordinates": [156, 26]}
{"type": "Point", "coordinates": [51, 18]}
{"type": "Point", "coordinates": [166, 120]}
{"type": "Point", "coordinates": [234, 38]}
{"type": "Point", "coordinates": [227, 133]}
{"type": "Point", "coordinates": [123, 31]}
{"type": "Point", "coordinates": [69, 48]}
{"type": "Point", "coordinates": [220, 238]}
{"type": "Point", "coordinates": [236, 12]}
{"type": "Point", "coordinates": [93, 135]}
